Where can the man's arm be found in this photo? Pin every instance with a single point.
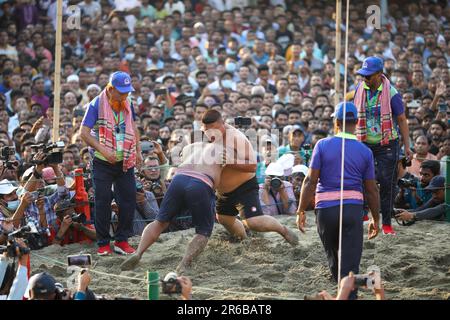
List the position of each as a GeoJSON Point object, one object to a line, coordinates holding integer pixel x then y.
{"type": "Point", "coordinates": [85, 134]}
{"type": "Point", "coordinates": [308, 189]}
{"type": "Point", "coordinates": [404, 130]}
{"type": "Point", "coordinates": [373, 199]}
{"type": "Point", "coordinates": [431, 213]}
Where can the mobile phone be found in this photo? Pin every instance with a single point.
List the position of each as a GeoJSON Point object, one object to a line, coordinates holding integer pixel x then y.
{"type": "Point", "coordinates": [34, 195]}
{"type": "Point", "coordinates": [82, 260]}
{"type": "Point", "coordinates": [147, 146]}
{"type": "Point", "coordinates": [443, 107]}
{"type": "Point", "coordinates": [160, 92]}
{"type": "Point", "coordinates": [243, 121]}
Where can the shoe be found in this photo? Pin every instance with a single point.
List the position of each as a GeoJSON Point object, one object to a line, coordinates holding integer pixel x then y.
{"type": "Point", "coordinates": [104, 250]}
{"type": "Point", "coordinates": [123, 247]}
{"type": "Point", "coordinates": [387, 229]}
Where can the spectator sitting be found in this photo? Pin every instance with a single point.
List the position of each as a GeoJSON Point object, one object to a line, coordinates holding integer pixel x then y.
{"type": "Point", "coordinates": [433, 209]}
{"type": "Point", "coordinates": [146, 209]}
{"type": "Point", "coordinates": [422, 148]}
{"type": "Point", "coordinates": [276, 196]}
{"type": "Point", "coordinates": [413, 196]}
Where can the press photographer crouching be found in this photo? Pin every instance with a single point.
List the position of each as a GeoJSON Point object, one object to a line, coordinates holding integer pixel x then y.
{"type": "Point", "coordinates": [153, 180]}
{"type": "Point", "coordinates": [13, 283]}
{"type": "Point", "coordinates": [276, 196]}
{"type": "Point", "coordinates": [43, 286]}
{"type": "Point", "coordinates": [298, 174]}
{"type": "Point", "coordinates": [413, 193]}
{"type": "Point", "coordinates": [434, 209]}
{"type": "Point", "coordinates": [69, 226]}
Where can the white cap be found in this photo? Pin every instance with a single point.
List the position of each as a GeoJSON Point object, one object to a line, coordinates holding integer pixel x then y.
{"type": "Point", "coordinates": [258, 90]}
{"type": "Point", "coordinates": [93, 86]}
{"type": "Point", "coordinates": [274, 169]}
{"type": "Point", "coordinates": [300, 168]}
{"type": "Point", "coordinates": [6, 187]}
{"type": "Point", "coordinates": [73, 77]}
{"type": "Point", "coordinates": [286, 161]}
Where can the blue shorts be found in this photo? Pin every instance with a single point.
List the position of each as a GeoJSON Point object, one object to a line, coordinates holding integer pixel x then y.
{"type": "Point", "coordinates": [190, 193]}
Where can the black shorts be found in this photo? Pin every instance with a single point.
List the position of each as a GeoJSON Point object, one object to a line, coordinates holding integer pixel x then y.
{"type": "Point", "coordinates": [244, 200]}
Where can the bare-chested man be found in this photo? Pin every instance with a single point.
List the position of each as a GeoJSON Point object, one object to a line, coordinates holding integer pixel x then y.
{"type": "Point", "coordinates": [238, 190]}
{"type": "Point", "coordinates": [191, 188]}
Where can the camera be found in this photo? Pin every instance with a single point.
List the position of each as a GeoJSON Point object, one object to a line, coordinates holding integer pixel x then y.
{"type": "Point", "coordinates": [36, 194]}
{"type": "Point", "coordinates": [406, 162]}
{"type": "Point", "coordinates": [156, 188]}
{"type": "Point", "coordinates": [5, 154]}
{"type": "Point", "coordinates": [53, 152]}
{"type": "Point", "coordinates": [139, 186]}
{"type": "Point", "coordinates": [443, 107]}
{"type": "Point", "coordinates": [275, 183]}
{"type": "Point", "coordinates": [170, 284]}
{"type": "Point", "coordinates": [82, 260]}
{"type": "Point", "coordinates": [406, 183]}
{"type": "Point", "coordinates": [12, 245]}
{"type": "Point", "coordinates": [370, 280]}
{"type": "Point", "coordinates": [147, 146]}
{"type": "Point", "coordinates": [242, 122]}
{"type": "Point", "coordinates": [79, 218]}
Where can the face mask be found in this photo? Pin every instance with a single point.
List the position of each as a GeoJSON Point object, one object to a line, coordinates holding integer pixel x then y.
{"type": "Point", "coordinates": [189, 94]}
{"type": "Point", "coordinates": [231, 66]}
{"type": "Point", "coordinates": [250, 44]}
{"type": "Point", "coordinates": [172, 88]}
{"type": "Point", "coordinates": [393, 79]}
{"type": "Point", "coordinates": [228, 84]}
{"type": "Point", "coordinates": [364, 47]}
{"type": "Point", "coordinates": [129, 56]}
{"type": "Point", "coordinates": [13, 205]}
{"type": "Point", "coordinates": [91, 69]}
{"type": "Point", "coordinates": [231, 52]}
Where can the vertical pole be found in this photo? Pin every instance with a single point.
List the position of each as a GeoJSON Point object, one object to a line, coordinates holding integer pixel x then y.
{"type": "Point", "coordinates": [447, 189]}
{"type": "Point", "coordinates": [337, 71]}
{"type": "Point", "coordinates": [57, 86]}
{"type": "Point", "coordinates": [153, 285]}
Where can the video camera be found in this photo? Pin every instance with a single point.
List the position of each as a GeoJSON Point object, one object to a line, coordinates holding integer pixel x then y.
{"type": "Point", "coordinates": [170, 284]}
{"type": "Point", "coordinates": [407, 183]}
{"type": "Point", "coordinates": [242, 122]}
{"type": "Point", "coordinates": [65, 204]}
{"type": "Point", "coordinates": [12, 245]}
{"type": "Point", "coordinates": [53, 152]}
{"type": "Point", "coordinates": [5, 154]}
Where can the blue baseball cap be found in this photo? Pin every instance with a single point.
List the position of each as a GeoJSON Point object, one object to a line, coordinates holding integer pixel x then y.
{"type": "Point", "coordinates": [370, 66]}
{"type": "Point", "coordinates": [121, 81]}
{"type": "Point", "coordinates": [351, 113]}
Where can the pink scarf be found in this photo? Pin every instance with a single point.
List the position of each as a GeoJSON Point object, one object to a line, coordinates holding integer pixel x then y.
{"type": "Point", "coordinates": [106, 131]}
{"type": "Point", "coordinates": [386, 113]}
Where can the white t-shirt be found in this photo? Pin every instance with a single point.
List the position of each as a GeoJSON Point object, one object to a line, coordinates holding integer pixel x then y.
{"type": "Point", "coordinates": [92, 9]}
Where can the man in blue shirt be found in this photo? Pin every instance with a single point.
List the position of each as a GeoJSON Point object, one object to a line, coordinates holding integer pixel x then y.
{"type": "Point", "coordinates": [359, 178]}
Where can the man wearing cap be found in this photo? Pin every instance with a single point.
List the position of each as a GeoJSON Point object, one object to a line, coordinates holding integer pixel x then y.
{"type": "Point", "coordinates": [115, 140]}
{"type": "Point", "coordinates": [9, 202]}
{"type": "Point", "coordinates": [381, 115]}
{"type": "Point", "coordinates": [298, 174]}
{"type": "Point", "coordinates": [296, 138]}
{"type": "Point", "coordinates": [276, 196]}
{"type": "Point", "coordinates": [359, 184]}
{"type": "Point", "coordinates": [434, 209]}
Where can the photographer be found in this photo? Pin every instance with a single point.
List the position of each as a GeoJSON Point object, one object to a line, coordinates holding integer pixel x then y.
{"type": "Point", "coordinates": [14, 288]}
{"type": "Point", "coordinates": [154, 182]}
{"type": "Point", "coordinates": [412, 192]}
{"type": "Point", "coordinates": [298, 174]}
{"type": "Point", "coordinates": [277, 196]}
{"type": "Point", "coordinates": [434, 209]}
{"type": "Point", "coordinates": [43, 286]}
{"type": "Point", "coordinates": [69, 227]}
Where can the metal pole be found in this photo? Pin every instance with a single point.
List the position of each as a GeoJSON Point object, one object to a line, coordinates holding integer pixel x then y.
{"type": "Point", "coordinates": [57, 85]}
{"type": "Point", "coordinates": [337, 71]}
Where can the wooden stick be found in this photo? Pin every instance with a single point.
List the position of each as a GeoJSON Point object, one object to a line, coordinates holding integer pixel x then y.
{"type": "Point", "coordinates": [57, 85]}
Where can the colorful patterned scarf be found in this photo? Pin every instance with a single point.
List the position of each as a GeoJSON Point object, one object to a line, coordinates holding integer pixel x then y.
{"type": "Point", "coordinates": [386, 113]}
{"type": "Point", "coordinates": [106, 131]}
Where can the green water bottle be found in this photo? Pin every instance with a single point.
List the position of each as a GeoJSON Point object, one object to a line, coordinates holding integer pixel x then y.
{"type": "Point", "coordinates": [153, 285]}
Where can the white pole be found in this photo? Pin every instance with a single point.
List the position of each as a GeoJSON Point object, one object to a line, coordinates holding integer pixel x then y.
{"type": "Point", "coordinates": [57, 85]}
{"type": "Point", "coordinates": [337, 71]}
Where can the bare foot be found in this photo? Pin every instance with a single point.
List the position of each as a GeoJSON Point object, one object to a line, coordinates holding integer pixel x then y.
{"type": "Point", "coordinates": [181, 269]}
{"type": "Point", "coordinates": [130, 263]}
{"type": "Point", "coordinates": [290, 236]}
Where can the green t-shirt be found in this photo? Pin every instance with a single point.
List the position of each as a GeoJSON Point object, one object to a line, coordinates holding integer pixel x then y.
{"type": "Point", "coordinates": [373, 115]}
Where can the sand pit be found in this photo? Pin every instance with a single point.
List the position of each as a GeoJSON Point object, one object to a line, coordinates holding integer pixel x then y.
{"type": "Point", "coordinates": [414, 265]}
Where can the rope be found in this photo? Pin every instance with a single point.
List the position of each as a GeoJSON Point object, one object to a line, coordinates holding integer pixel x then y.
{"type": "Point", "coordinates": [156, 281]}
{"type": "Point", "coordinates": [341, 200]}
